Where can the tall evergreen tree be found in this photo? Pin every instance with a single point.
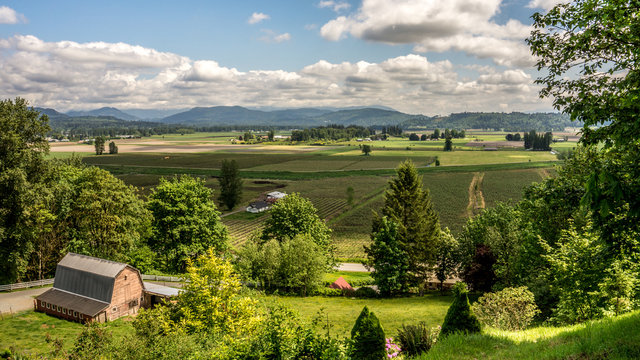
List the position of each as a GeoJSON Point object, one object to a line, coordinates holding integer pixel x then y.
{"type": "Point", "coordinates": [448, 144]}
{"type": "Point", "coordinates": [388, 260]}
{"type": "Point", "coordinates": [99, 145]}
{"type": "Point", "coordinates": [409, 205]}
{"type": "Point", "coordinates": [230, 184]}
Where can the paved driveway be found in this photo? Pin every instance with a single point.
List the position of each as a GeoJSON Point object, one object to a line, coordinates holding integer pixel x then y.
{"type": "Point", "coordinates": [19, 300]}
{"type": "Point", "coordinates": [352, 267]}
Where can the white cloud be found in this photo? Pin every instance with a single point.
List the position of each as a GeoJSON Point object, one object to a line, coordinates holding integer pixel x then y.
{"type": "Point", "coordinates": [336, 6]}
{"type": "Point", "coordinates": [257, 17]}
{"type": "Point", "coordinates": [545, 4]}
{"type": "Point", "coordinates": [271, 36]}
{"type": "Point", "coordinates": [66, 75]}
{"type": "Point", "coordinates": [10, 16]}
{"type": "Point", "coordinates": [434, 25]}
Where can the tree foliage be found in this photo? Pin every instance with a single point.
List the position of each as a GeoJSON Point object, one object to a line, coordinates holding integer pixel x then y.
{"type": "Point", "coordinates": [367, 336]}
{"type": "Point", "coordinates": [460, 317]}
{"type": "Point", "coordinates": [510, 309]}
{"type": "Point", "coordinates": [230, 184]}
{"type": "Point", "coordinates": [294, 215]}
{"type": "Point", "coordinates": [98, 144]}
{"type": "Point", "coordinates": [185, 221]}
{"type": "Point", "coordinates": [389, 262]}
{"type": "Point", "coordinates": [366, 149]}
{"type": "Point", "coordinates": [589, 50]}
{"type": "Point", "coordinates": [409, 205]}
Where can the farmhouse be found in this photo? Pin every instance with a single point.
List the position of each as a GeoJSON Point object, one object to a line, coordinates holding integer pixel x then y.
{"type": "Point", "coordinates": [89, 289]}
{"type": "Point", "coordinates": [258, 207]}
{"type": "Point", "coordinates": [275, 196]}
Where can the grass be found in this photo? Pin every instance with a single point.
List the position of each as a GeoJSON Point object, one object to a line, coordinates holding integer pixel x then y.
{"type": "Point", "coordinates": [611, 338]}
{"type": "Point", "coordinates": [393, 313]}
{"type": "Point", "coordinates": [28, 332]}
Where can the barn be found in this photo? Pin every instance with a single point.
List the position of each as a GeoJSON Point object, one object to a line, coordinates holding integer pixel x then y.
{"type": "Point", "coordinates": [89, 289]}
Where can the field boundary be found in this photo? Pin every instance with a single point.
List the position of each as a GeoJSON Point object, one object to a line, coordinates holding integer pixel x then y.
{"type": "Point", "coordinates": [476, 198]}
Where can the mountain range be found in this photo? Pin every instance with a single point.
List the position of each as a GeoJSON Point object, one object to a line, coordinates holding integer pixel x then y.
{"type": "Point", "coordinates": [311, 117]}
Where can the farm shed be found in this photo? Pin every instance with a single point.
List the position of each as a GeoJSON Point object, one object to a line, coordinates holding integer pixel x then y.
{"type": "Point", "coordinates": [258, 206]}
{"type": "Point", "coordinates": [275, 196]}
{"type": "Point", "coordinates": [91, 289]}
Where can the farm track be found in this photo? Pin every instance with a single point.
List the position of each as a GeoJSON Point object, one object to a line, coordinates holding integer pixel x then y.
{"type": "Point", "coordinates": [476, 198]}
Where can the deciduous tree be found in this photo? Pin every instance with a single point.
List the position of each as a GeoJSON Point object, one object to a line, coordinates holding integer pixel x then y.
{"type": "Point", "coordinates": [230, 184]}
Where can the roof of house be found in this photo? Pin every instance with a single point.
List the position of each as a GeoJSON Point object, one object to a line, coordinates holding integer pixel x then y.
{"type": "Point", "coordinates": [81, 304]}
{"type": "Point", "coordinates": [87, 276]}
{"type": "Point", "coordinates": [276, 194]}
{"type": "Point", "coordinates": [341, 284]}
{"type": "Point", "coordinates": [259, 204]}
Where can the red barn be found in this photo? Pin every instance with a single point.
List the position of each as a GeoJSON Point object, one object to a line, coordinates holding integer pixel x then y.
{"type": "Point", "coordinates": [91, 289]}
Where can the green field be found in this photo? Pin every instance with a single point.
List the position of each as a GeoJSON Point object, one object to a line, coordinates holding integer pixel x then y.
{"type": "Point", "coordinates": [610, 338]}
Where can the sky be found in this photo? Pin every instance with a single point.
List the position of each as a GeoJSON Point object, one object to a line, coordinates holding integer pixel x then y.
{"type": "Point", "coordinates": [417, 56]}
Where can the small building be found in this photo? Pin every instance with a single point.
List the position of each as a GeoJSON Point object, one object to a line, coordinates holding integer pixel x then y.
{"type": "Point", "coordinates": [258, 207]}
{"type": "Point", "coordinates": [341, 284]}
{"type": "Point", "coordinates": [89, 289]}
{"type": "Point", "coordinates": [275, 196]}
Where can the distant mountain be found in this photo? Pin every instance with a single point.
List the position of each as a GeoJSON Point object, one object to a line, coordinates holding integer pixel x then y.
{"type": "Point", "coordinates": [238, 115]}
{"type": "Point", "coordinates": [105, 111]}
{"type": "Point", "coordinates": [152, 114]}
{"type": "Point", "coordinates": [51, 113]}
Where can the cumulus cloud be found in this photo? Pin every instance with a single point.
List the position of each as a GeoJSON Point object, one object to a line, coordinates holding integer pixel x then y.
{"type": "Point", "coordinates": [10, 16]}
{"type": "Point", "coordinates": [66, 75]}
{"type": "Point", "coordinates": [336, 6]}
{"type": "Point", "coordinates": [257, 17]}
{"type": "Point", "coordinates": [433, 25]}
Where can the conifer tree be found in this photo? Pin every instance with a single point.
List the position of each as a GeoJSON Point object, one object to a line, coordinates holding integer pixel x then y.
{"type": "Point", "coordinates": [368, 337]}
{"type": "Point", "coordinates": [230, 184]}
{"type": "Point", "coordinates": [460, 317]}
{"type": "Point", "coordinates": [409, 205]}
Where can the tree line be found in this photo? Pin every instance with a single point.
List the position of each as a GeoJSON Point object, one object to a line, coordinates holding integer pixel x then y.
{"type": "Point", "coordinates": [332, 132]}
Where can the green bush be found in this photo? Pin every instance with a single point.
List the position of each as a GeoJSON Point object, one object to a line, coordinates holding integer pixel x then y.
{"type": "Point", "coordinates": [460, 317]}
{"type": "Point", "coordinates": [365, 292]}
{"type": "Point", "coordinates": [325, 291]}
{"type": "Point", "coordinates": [367, 336]}
{"type": "Point", "coordinates": [510, 309]}
{"type": "Point", "coordinates": [416, 339]}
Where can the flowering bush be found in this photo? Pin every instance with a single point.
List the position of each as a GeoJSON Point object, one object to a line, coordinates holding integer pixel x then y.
{"type": "Point", "coordinates": [393, 350]}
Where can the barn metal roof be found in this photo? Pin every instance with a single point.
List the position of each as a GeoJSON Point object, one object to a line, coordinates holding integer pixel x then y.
{"type": "Point", "coordinates": [81, 304]}
{"type": "Point", "coordinates": [87, 276]}
{"type": "Point", "coordinates": [160, 289]}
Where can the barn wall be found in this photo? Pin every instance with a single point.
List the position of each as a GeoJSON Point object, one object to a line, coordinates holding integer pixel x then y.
{"type": "Point", "coordinates": [53, 311]}
{"type": "Point", "coordinates": [127, 294]}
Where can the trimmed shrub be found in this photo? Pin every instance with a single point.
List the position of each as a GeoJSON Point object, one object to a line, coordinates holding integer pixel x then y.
{"type": "Point", "coordinates": [460, 317]}
{"type": "Point", "coordinates": [325, 291]}
{"type": "Point", "coordinates": [367, 336]}
{"type": "Point", "coordinates": [365, 292]}
{"type": "Point", "coordinates": [510, 309]}
{"type": "Point", "coordinates": [416, 339]}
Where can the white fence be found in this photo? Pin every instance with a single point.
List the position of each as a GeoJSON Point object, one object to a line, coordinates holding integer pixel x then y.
{"type": "Point", "coordinates": [25, 285]}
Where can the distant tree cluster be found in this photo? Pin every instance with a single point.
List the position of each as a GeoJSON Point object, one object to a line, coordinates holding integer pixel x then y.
{"type": "Point", "coordinates": [513, 137]}
{"type": "Point", "coordinates": [331, 132]}
{"type": "Point", "coordinates": [535, 141]}
{"type": "Point", "coordinates": [437, 134]}
{"type": "Point", "coordinates": [392, 130]}
{"type": "Point", "coordinates": [493, 121]}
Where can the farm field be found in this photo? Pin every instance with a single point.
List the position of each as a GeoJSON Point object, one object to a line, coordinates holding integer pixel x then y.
{"type": "Point", "coordinates": [508, 186]}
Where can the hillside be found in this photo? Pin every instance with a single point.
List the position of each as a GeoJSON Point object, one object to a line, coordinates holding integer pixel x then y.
{"type": "Point", "coordinates": [611, 338]}
{"type": "Point", "coordinates": [514, 121]}
{"type": "Point", "coordinates": [105, 111]}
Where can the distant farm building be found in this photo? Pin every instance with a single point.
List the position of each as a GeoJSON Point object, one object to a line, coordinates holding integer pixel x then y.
{"type": "Point", "coordinates": [89, 289]}
{"type": "Point", "coordinates": [275, 196]}
{"type": "Point", "coordinates": [258, 207]}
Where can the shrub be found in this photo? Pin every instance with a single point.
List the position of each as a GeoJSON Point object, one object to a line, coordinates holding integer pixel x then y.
{"type": "Point", "coordinates": [460, 317]}
{"type": "Point", "coordinates": [509, 309]}
{"type": "Point", "coordinates": [367, 336]}
{"type": "Point", "coordinates": [416, 339]}
{"type": "Point", "coordinates": [365, 292]}
{"type": "Point", "coordinates": [325, 291]}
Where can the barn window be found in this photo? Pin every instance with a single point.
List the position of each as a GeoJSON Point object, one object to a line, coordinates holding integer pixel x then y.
{"type": "Point", "coordinates": [48, 305]}
{"type": "Point", "coordinates": [75, 314]}
{"type": "Point", "coordinates": [59, 309]}
{"type": "Point", "coordinates": [114, 309]}
{"type": "Point", "coordinates": [42, 303]}
{"type": "Point", "coordinates": [125, 277]}
{"type": "Point", "coordinates": [64, 311]}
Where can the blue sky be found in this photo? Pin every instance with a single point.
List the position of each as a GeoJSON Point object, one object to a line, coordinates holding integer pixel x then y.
{"type": "Point", "coordinates": [419, 56]}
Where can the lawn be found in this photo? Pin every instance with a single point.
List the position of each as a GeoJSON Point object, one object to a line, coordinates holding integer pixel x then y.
{"type": "Point", "coordinates": [393, 313]}
{"type": "Point", "coordinates": [611, 338]}
{"type": "Point", "coordinates": [28, 331]}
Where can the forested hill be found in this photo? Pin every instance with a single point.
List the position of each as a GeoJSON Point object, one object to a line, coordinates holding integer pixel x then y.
{"type": "Point", "coordinates": [495, 121]}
